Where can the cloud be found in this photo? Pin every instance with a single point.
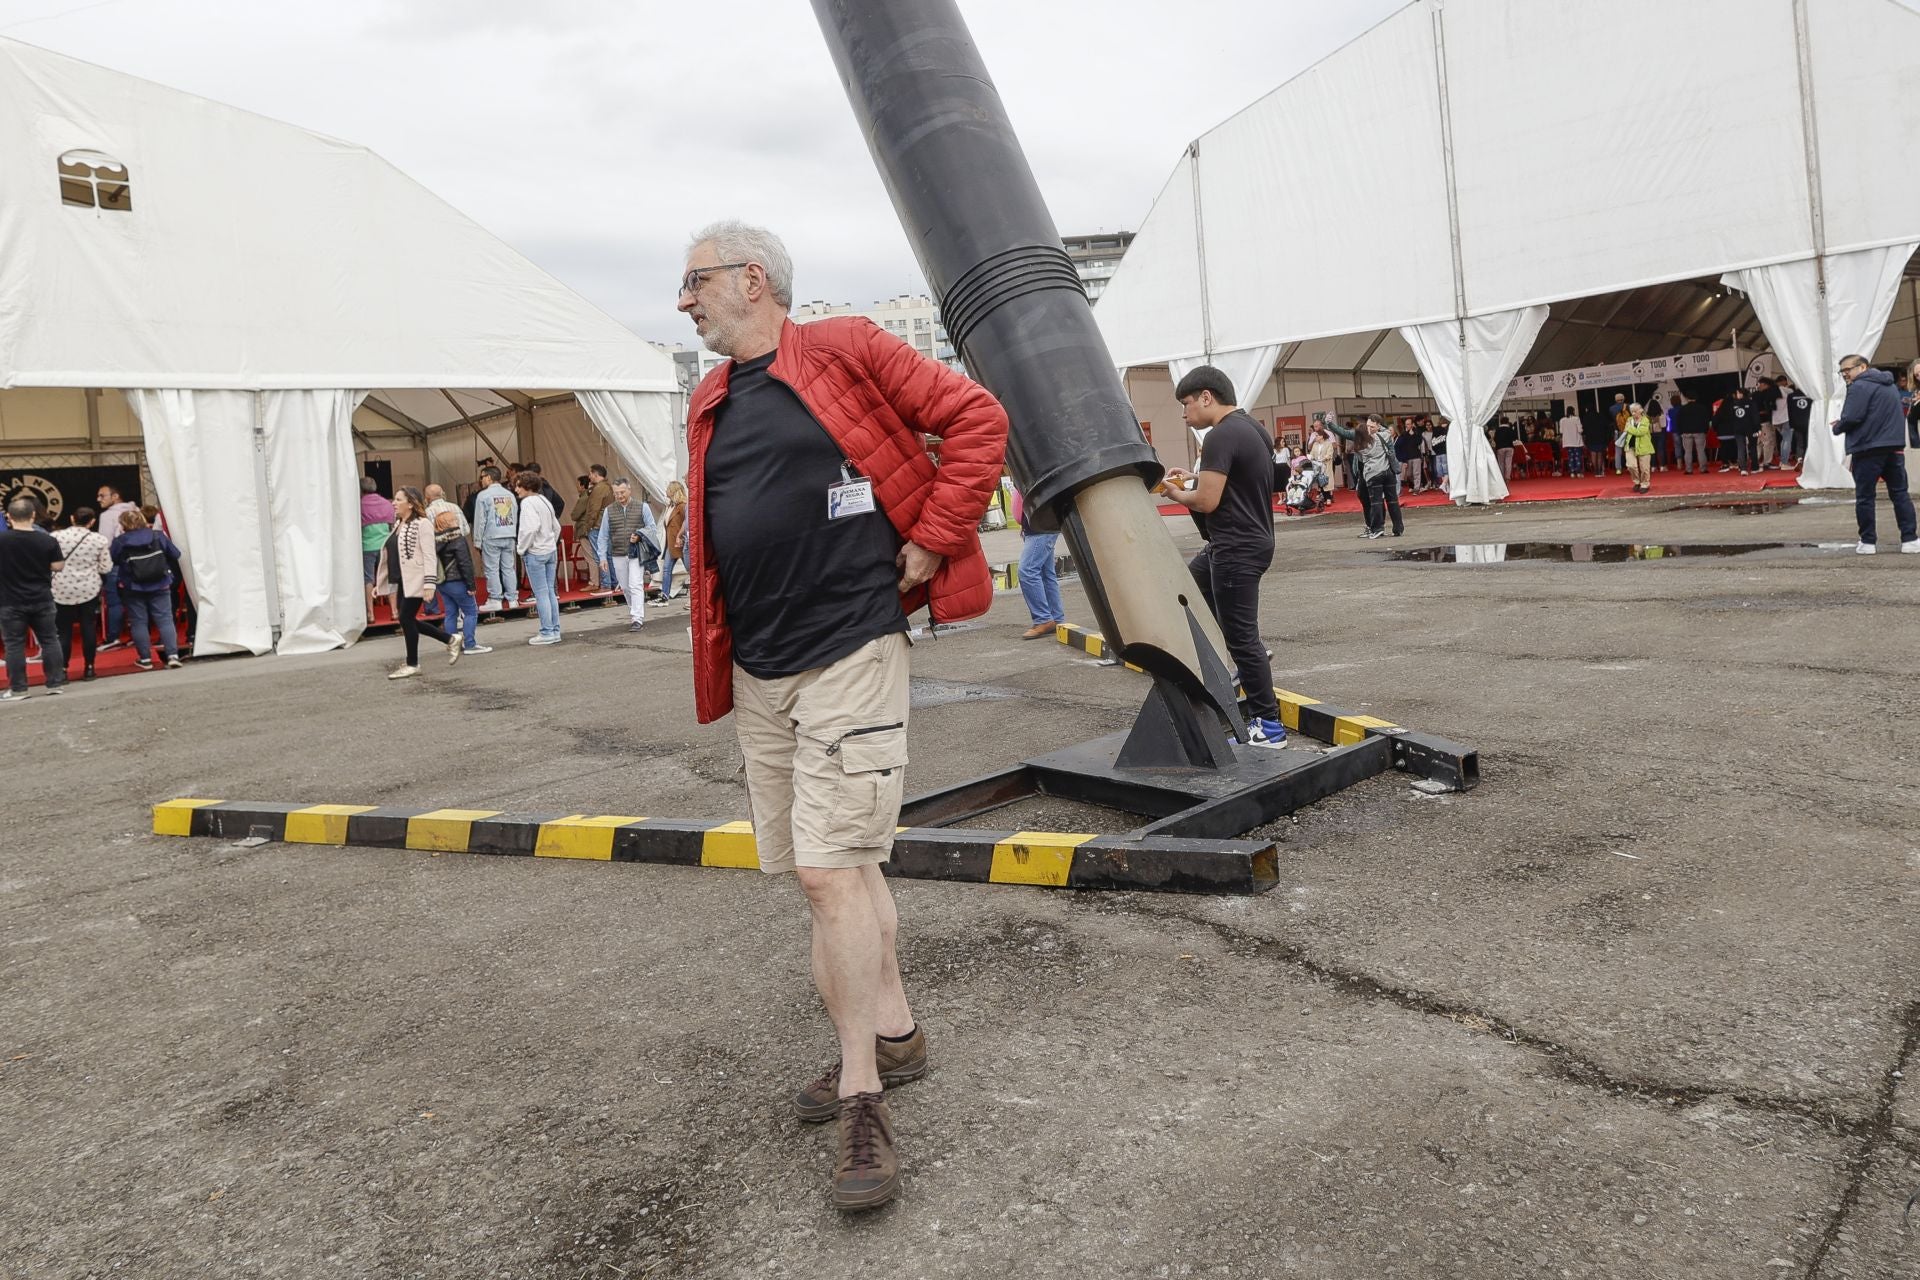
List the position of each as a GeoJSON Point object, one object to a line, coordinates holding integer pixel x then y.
{"type": "Point", "coordinates": [594, 135]}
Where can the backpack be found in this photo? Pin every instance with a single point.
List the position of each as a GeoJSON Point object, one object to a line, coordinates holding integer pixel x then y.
{"type": "Point", "coordinates": [148, 566]}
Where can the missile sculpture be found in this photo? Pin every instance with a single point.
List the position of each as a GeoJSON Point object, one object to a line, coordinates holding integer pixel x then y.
{"type": "Point", "coordinates": [1016, 310]}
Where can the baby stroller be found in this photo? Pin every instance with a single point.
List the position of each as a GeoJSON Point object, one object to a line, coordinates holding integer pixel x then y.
{"type": "Point", "coordinates": [1307, 489]}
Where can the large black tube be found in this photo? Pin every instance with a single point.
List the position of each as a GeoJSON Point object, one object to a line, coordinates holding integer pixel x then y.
{"type": "Point", "coordinates": [1010, 297]}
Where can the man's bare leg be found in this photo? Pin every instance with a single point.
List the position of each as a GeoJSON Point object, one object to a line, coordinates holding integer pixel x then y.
{"type": "Point", "coordinates": [892, 1016]}
{"type": "Point", "coordinates": [847, 966]}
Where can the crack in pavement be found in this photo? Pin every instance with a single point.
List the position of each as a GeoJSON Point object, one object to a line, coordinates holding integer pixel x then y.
{"type": "Point", "coordinates": [1569, 1064]}
{"type": "Point", "coordinates": [1879, 1131]}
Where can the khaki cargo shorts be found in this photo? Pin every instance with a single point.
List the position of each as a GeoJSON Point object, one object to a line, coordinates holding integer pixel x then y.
{"type": "Point", "coordinates": [826, 756]}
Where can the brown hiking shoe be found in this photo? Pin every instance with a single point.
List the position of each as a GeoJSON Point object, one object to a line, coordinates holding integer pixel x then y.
{"type": "Point", "coordinates": [900, 1063]}
{"type": "Point", "coordinates": [868, 1172]}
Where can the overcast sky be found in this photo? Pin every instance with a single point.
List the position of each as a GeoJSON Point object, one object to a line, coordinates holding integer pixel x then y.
{"type": "Point", "coordinates": [593, 135]}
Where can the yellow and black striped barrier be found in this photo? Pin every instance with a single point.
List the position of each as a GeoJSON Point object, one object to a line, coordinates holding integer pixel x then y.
{"type": "Point", "coordinates": [1061, 860]}
{"type": "Point", "coordinates": [1413, 752]}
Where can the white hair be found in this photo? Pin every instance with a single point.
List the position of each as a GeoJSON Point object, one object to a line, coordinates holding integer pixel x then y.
{"type": "Point", "coordinates": [1636, 408]}
{"type": "Point", "coordinates": [737, 241]}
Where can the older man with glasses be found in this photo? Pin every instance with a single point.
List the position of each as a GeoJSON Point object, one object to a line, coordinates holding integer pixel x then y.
{"type": "Point", "coordinates": [1875, 428]}
{"type": "Point", "coordinates": [817, 523]}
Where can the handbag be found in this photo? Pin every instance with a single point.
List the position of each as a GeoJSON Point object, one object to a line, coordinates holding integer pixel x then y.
{"type": "Point", "coordinates": [1620, 441]}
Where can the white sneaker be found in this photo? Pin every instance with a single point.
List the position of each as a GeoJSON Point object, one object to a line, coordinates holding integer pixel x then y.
{"type": "Point", "coordinates": [491, 606]}
{"type": "Point", "coordinates": [455, 647]}
{"type": "Point", "coordinates": [481, 648]}
{"type": "Point", "coordinates": [1910, 548]}
{"type": "Point", "coordinates": [14, 695]}
{"type": "Point", "coordinates": [403, 673]}
{"type": "Point", "coordinates": [1865, 548]}
{"type": "Point", "coordinates": [544, 640]}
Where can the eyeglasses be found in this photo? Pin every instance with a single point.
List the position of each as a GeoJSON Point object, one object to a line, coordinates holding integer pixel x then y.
{"type": "Point", "coordinates": [691, 282]}
{"type": "Point", "coordinates": [1846, 369]}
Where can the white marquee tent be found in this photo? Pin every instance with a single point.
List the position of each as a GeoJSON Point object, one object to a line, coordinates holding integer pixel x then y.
{"type": "Point", "coordinates": [247, 283]}
{"type": "Point", "coordinates": [1467, 166]}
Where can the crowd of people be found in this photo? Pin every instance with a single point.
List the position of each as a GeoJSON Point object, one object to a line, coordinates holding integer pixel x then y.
{"type": "Point", "coordinates": [430, 553]}
{"type": "Point", "coordinates": [97, 580]}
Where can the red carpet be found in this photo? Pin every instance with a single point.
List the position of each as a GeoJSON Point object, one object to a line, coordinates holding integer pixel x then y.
{"type": "Point", "coordinates": [1666, 484]}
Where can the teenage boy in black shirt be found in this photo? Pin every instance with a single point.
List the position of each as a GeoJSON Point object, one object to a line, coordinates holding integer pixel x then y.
{"type": "Point", "coordinates": [1234, 490]}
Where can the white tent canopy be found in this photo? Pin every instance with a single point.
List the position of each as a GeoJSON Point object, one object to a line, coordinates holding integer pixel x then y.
{"type": "Point", "coordinates": [1476, 159]}
{"type": "Point", "coordinates": [248, 283]}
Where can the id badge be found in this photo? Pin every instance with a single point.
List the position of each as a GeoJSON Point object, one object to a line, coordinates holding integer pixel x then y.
{"type": "Point", "coordinates": [849, 498]}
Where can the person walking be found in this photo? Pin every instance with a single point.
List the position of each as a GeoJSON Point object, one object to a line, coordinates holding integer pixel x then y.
{"type": "Point", "coordinates": [816, 524]}
{"type": "Point", "coordinates": [1873, 423]}
{"type": "Point", "coordinates": [496, 522]}
{"type": "Point", "coordinates": [409, 569]}
{"type": "Point", "coordinates": [1234, 491]}
{"type": "Point", "coordinates": [1639, 447]}
{"type": "Point", "coordinates": [29, 558]}
{"type": "Point", "coordinates": [539, 546]}
{"type": "Point", "coordinates": [676, 533]}
{"type": "Point", "coordinates": [622, 532]}
{"type": "Point", "coordinates": [1379, 486]}
{"type": "Point", "coordinates": [146, 566]}
{"type": "Point", "coordinates": [457, 578]}
{"type": "Point", "coordinates": [1039, 578]}
{"type": "Point", "coordinates": [78, 587]}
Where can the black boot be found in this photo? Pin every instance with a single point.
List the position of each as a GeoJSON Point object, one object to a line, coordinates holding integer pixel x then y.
{"type": "Point", "coordinates": [88, 673]}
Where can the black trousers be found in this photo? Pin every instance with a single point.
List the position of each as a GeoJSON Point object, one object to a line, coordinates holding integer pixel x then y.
{"type": "Point", "coordinates": [1230, 585]}
{"type": "Point", "coordinates": [87, 618]}
{"type": "Point", "coordinates": [412, 628]}
{"type": "Point", "coordinates": [1383, 499]}
{"type": "Point", "coordinates": [15, 621]}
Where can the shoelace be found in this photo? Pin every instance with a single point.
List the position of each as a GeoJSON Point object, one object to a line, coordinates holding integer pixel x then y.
{"type": "Point", "coordinates": [830, 1079]}
{"type": "Point", "coordinates": [862, 1134]}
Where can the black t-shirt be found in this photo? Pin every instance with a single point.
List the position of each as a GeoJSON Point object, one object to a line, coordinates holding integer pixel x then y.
{"type": "Point", "coordinates": [801, 591]}
{"type": "Point", "coordinates": [1504, 436]}
{"type": "Point", "coordinates": [1241, 526]}
{"type": "Point", "coordinates": [27, 557]}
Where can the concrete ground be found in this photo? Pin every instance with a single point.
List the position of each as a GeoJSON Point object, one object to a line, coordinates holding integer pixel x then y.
{"type": "Point", "coordinates": [1643, 1004]}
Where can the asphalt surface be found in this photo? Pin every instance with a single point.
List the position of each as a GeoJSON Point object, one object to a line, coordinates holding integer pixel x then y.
{"type": "Point", "coordinates": [1644, 1004]}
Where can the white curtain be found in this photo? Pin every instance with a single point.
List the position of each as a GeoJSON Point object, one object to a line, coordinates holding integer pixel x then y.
{"type": "Point", "coordinates": [1469, 379]}
{"type": "Point", "coordinates": [200, 447]}
{"type": "Point", "coordinates": [313, 494]}
{"type": "Point", "coordinates": [1247, 369]}
{"type": "Point", "coordinates": [1860, 294]}
{"type": "Point", "coordinates": [639, 424]}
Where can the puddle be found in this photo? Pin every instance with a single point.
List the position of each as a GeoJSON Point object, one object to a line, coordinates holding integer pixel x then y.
{"type": "Point", "coordinates": [1598, 552]}
{"type": "Point", "coordinates": [1006, 577]}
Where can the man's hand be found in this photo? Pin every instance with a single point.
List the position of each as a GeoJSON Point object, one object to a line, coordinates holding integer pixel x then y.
{"type": "Point", "coordinates": [916, 565]}
{"type": "Point", "coordinates": [1178, 477]}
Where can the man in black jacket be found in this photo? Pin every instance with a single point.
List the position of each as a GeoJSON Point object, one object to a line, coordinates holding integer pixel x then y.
{"type": "Point", "coordinates": [1875, 429]}
{"type": "Point", "coordinates": [1799, 418]}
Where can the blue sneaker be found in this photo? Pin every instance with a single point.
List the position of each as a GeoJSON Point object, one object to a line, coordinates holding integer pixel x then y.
{"type": "Point", "coordinates": [1266, 733]}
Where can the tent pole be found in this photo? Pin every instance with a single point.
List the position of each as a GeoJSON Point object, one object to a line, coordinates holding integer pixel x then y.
{"type": "Point", "coordinates": [1816, 199]}
{"type": "Point", "coordinates": [93, 419]}
{"type": "Point", "coordinates": [1453, 234]}
{"type": "Point", "coordinates": [1200, 254]}
{"type": "Point", "coordinates": [499, 457]}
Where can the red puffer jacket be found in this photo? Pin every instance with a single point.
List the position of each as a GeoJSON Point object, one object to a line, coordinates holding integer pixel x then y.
{"type": "Point", "coordinates": [876, 396]}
